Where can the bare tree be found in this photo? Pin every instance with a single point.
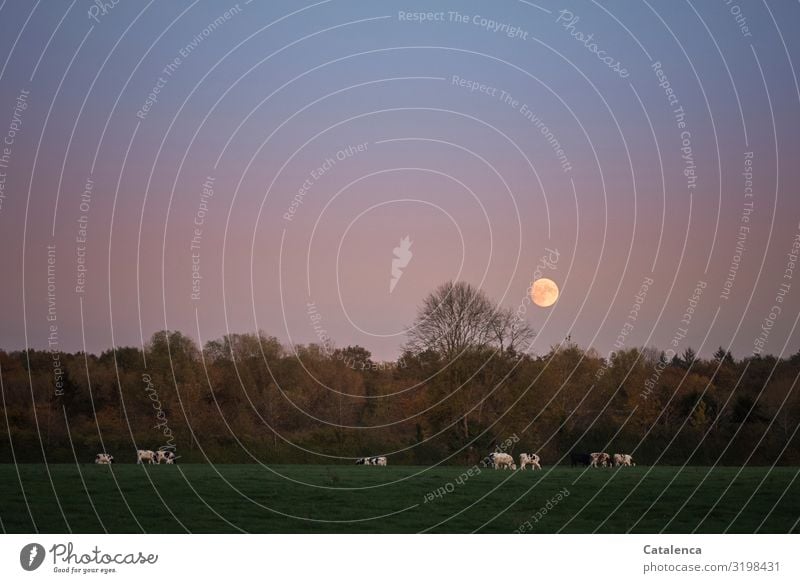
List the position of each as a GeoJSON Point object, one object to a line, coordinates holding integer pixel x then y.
{"type": "Point", "coordinates": [454, 317]}
{"type": "Point", "coordinates": [457, 316]}
{"type": "Point", "coordinates": [510, 332]}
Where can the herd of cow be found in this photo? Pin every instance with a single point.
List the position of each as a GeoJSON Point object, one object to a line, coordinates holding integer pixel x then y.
{"type": "Point", "coordinates": [142, 456]}
{"type": "Point", "coordinates": [497, 460]}
{"type": "Point", "coordinates": [593, 460]}
{"type": "Point", "coordinates": [601, 460]}
{"type": "Point", "coordinates": [505, 461]}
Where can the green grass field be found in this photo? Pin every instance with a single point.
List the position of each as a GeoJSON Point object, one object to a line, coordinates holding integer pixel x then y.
{"type": "Point", "coordinates": [339, 499]}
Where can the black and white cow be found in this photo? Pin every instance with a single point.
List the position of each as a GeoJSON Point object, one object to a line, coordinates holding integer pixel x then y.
{"type": "Point", "coordinates": [103, 458]}
{"type": "Point", "coordinates": [165, 456]}
{"type": "Point", "coordinates": [529, 459]}
{"type": "Point", "coordinates": [372, 461]}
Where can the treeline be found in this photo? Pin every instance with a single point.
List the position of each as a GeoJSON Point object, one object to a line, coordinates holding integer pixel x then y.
{"type": "Point", "coordinates": [247, 397]}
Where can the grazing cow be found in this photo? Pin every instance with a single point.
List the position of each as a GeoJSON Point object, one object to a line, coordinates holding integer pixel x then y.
{"type": "Point", "coordinates": [505, 461]}
{"type": "Point", "coordinates": [372, 461]}
{"type": "Point", "coordinates": [618, 459]}
{"type": "Point", "coordinates": [165, 456]}
{"type": "Point", "coordinates": [529, 458]}
{"type": "Point", "coordinates": [103, 458]}
{"type": "Point", "coordinates": [145, 455]}
{"type": "Point", "coordinates": [600, 459]}
{"type": "Point", "coordinates": [625, 459]}
{"type": "Point", "coordinates": [580, 459]}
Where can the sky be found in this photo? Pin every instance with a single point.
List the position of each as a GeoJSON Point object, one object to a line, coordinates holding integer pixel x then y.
{"type": "Point", "coordinates": [216, 167]}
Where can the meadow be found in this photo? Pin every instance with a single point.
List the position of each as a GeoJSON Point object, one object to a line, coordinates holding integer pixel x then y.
{"type": "Point", "coordinates": [126, 498]}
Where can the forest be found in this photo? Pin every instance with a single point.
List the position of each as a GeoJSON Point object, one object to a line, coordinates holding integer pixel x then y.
{"type": "Point", "coordinates": [463, 384]}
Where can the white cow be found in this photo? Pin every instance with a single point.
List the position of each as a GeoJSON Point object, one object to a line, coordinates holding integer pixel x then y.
{"type": "Point", "coordinates": [379, 461]}
{"type": "Point", "coordinates": [529, 459]}
{"type": "Point", "coordinates": [145, 455]}
{"type": "Point", "coordinates": [623, 459]}
{"type": "Point", "coordinates": [505, 461]}
{"type": "Point", "coordinates": [103, 458]}
{"type": "Point", "coordinates": [600, 459]}
{"type": "Point", "coordinates": [165, 456]}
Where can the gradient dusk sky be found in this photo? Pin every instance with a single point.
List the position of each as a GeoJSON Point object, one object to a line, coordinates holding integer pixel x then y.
{"type": "Point", "coordinates": [282, 151]}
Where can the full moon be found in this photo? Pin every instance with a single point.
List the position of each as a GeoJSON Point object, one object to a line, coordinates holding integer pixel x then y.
{"type": "Point", "coordinates": [544, 292]}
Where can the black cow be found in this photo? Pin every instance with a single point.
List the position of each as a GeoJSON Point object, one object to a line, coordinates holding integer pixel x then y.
{"type": "Point", "coordinates": [580, 459]}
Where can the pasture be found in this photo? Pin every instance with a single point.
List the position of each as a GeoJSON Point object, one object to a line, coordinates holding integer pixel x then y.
{"type": "Point", "coordinates": [126, 498]}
